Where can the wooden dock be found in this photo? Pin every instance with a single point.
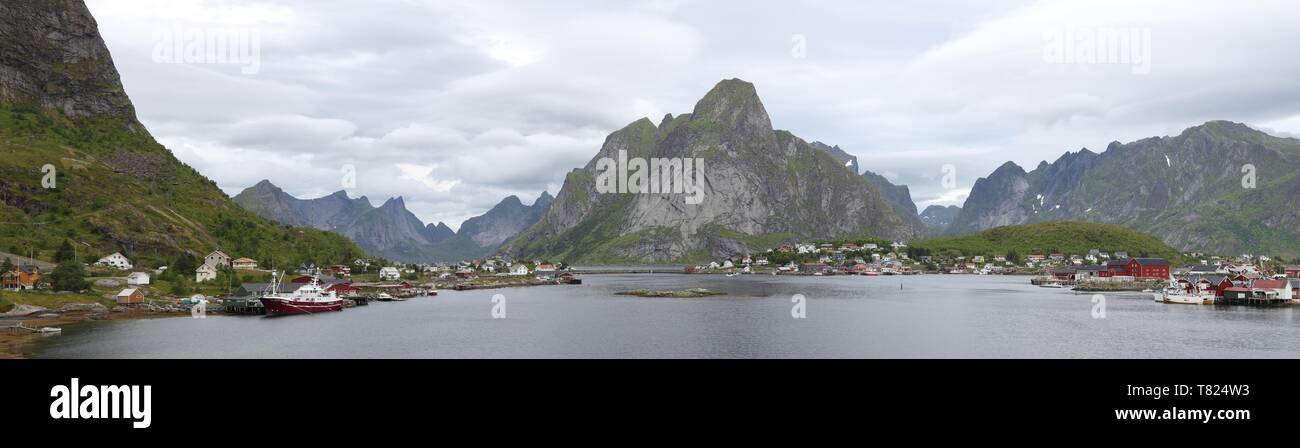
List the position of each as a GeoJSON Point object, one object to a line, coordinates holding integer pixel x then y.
{"type": "Point", "coordinates": [251, 307]}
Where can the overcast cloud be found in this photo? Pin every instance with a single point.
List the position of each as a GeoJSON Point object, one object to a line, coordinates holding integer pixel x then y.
{"type": "Point", "coordinates": [455, 105]}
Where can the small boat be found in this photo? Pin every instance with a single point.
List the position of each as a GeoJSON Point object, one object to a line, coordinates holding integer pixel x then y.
{"type": "Point", "coordinates": [1177, 294]}
{"type": "Point", "coordinates": [733, 274]}
{"type": "Point", "coordinates": [49, 330]}
{"type": "Point", "coordinates": [1051, 285]}
{"type": "Point", "coordinates": [384, 297]}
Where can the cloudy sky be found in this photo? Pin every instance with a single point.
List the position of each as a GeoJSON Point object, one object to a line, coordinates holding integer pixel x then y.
{"type": "Point", "coordinates": [455, 105]}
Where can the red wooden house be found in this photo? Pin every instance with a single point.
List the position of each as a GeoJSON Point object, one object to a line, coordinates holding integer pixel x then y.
{"type": "Point", "coordinates": [1138, 268]}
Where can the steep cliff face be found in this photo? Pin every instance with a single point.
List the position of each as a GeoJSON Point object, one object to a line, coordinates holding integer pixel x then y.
{"type": "Point", "coordinates": [115, 189]}
{"type": "Point", "coordinates": [760, 186]}
{"type": "Point", "coordinates": [54, 58]}
{"type": "Point", "coordinates": [899, 196]}
{"type": "Point", "coordinates": [1185, 189]}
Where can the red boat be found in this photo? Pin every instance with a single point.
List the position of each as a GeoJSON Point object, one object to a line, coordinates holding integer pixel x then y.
{"type": "Point", "coordinates": [310, 298]}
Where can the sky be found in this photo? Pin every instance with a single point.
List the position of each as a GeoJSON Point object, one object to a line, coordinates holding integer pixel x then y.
{"type": "Point", "coordinates": [454, 105]}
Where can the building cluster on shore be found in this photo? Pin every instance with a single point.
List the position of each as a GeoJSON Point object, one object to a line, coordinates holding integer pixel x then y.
{"type": "Point", "coordinates": [826, 258]}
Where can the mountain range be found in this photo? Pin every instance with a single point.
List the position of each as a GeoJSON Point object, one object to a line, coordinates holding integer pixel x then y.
{"type": "Point", "coordinates": [759, 186]}
{"type": "Point", "coordinates": [1220, 187]}
{"type": "Point", "coordinates": [390, 230]}
{"type": "Point", "coordinates": [938, 218]}
{"type": "Point", "coordinates": [76, 164]}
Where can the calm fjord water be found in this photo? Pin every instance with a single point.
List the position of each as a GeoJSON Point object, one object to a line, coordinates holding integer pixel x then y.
{"type": "Point", "coordinates": [927, 316]}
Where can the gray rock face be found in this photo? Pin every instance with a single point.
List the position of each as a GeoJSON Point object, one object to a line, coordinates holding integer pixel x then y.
{"type": "Point", "coordinates": [438, 232]}
{"type": "Point", "coordinates": [391, 231]}
{"type": "Point", "coordinates": [67, 69]}
{"type": "Point", "coordinates": [1186, 190]}
{"type": "Point", "coordinates": [899, 196]}
{"type": "Point", "coordinates": [507, 219]}
{"type": "Point", "coordinates": [759, 185]}
{"type": "Point", "coordinates": [938, 218]}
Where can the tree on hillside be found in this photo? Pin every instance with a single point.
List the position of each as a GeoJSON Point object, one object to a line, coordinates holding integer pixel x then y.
{"type": "Point", "coordinates": [7, 266]}
{"type": "Point", "coordinates": [69, 277]}
{"type": "Point", "coordinates": [185, 265]}
{"type": "Point", "coordinates": [65, 253]}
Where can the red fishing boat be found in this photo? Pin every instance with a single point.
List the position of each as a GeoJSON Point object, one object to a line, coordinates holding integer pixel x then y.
{"type": "Point", "coordinates": [310, 298]}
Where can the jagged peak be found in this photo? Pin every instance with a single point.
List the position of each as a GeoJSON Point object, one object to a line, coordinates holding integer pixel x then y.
{"type": "Point", "coordinates": [1220, 125]}
{"type": "Point", "coordinates": [398, 202]}
{"type": "Point", "coordinates": [1068, 156]}
{"type": "Point", "coordinates": [263, 187]}
{"type": "Point", "coordinates": [545, 199]}
{"type": "Point", "coordinates": [1008, 168]}
{"type": "Point", "coordinates": [732, 102]}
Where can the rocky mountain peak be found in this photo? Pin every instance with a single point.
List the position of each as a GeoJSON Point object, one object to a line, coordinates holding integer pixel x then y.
{"type": "Point", "coordinates": [1008, 169]}
{"type": "Point", "coordinates": [756, 181]}
{"type": "Point", "coordinates": [734, 103]}
{"type": "Point", "coordinates": [544, 200]}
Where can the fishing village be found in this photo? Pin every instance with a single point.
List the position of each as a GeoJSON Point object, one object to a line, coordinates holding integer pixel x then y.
{"type": "Point", "coordinates": [38, 297]}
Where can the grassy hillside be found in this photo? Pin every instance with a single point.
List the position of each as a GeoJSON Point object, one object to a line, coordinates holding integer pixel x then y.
{"type": "Point", "coordinates": [1068, 237]}
{"type": "Point", "coordinates": [119, 190]}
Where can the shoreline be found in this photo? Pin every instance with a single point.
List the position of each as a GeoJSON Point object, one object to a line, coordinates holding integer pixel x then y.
{"type": "Point", "coordinates": [18, 346]}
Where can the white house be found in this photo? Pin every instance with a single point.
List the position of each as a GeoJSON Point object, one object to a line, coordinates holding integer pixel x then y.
{"type": "Point", "coordinates": [117, 260]}
{"type": "Point", "coordinates": [217, 259]}
{"type": "Point", "coordinates": [137, 279]}
{"type": "Point", "coordinates": [545, 270]}
{"type": "Point", "coordinates": [390, 273]}
{"type": "Point", "coordinates": [519, 269]}
{"type": "Point", "coordinates": [205, 273]}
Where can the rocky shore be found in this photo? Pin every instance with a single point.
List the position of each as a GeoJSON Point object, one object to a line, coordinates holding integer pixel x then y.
{"type": "Point", "coordinates": [17, 345]}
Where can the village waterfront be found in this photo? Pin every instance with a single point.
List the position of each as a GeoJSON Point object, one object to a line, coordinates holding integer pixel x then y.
{"type": "Point", "coordinates": [918, 316]}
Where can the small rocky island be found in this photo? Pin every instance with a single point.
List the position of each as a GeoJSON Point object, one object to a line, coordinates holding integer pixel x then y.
{"type": "Point", "coordinates": [679, 294]}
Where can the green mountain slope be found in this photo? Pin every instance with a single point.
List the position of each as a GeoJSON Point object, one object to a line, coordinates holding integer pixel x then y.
{"type": "Point", "coordinates": [1067, 237]}
{"type": "Point", "coordinates": [62, 105]}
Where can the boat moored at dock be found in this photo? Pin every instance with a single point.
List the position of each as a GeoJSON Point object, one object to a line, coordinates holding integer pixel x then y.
{"type": "Point", "coordinates": [309, 299]}
{"type": "Point", "coordinates": [1175, 293]}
